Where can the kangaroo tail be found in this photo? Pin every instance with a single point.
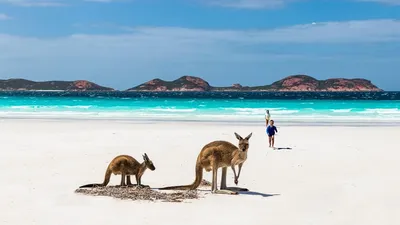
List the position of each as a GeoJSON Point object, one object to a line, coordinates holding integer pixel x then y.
{"type": "Point", "coordinates": [194, 185]}
{"type": "Point", "coordinates": [105, 182]}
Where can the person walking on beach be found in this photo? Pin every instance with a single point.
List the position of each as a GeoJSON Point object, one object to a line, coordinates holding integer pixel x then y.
{"type": "Point", "coordinates": [267, 117]}
{"type": "Point", "coordinates": [271, 130]}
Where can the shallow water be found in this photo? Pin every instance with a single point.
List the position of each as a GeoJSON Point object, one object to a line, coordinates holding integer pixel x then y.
{"type": "Point", "coordinates": [214, 106]}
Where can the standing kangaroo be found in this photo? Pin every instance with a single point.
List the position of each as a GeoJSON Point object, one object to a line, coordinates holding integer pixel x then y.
{"type": "Point", "coordinates": [219, 154]}
{"type": "Point", "coordinates": [125, 166]}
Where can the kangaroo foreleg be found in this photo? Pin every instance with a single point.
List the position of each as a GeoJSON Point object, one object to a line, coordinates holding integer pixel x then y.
{"type": "Point", "coordinates": [139, 182]}
{"type": "Point", "coordinates": [240, 169]}
{"type": "Point", "coordinates": [237, 179]}
{"type": "Point", "coordinates": [234, 172]}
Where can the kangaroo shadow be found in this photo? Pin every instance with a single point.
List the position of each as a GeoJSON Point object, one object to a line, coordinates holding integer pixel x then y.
{"type": "Point", "coordinates": [255, 193]}
{"type": "Point", "coordinates": [245, 191]}
{"type": "Point", "coordinates": [242, 191]}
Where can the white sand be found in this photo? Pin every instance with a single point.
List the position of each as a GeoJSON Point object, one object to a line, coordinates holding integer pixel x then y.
{"type": "Point", "coordinates": [333, 175]}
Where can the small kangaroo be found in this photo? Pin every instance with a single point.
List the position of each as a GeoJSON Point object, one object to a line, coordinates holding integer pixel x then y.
{"type": "Point", "coordinates": [219, 154]}
{"type": "Point", "coordinates": [125, 166]}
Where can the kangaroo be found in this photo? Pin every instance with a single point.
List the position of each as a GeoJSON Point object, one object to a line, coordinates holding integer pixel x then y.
{"type": "Point", "coordinates": [219, 154]}
{"type": "Point", "coordinates": [125, 166]}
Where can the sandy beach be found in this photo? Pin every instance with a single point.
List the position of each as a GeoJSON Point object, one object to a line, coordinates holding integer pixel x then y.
{"type": "Point", "coordinates": [343, 175]}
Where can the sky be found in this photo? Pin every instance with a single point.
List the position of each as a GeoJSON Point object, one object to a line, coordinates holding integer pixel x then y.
{"type": "Point", "coordinates": [123, 43]}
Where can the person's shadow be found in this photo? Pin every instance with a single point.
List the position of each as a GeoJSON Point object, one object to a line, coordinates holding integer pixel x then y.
{"type": "Point", "coordinates": [282, 148]}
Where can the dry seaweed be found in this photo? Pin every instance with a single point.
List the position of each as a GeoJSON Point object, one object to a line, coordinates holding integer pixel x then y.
{"type": "Point", "coordinates": [138, 193]}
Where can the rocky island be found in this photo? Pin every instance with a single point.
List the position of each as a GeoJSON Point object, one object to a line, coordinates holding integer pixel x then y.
{"type": "Point", "coordinates": [185, 83]}
{"type": "Point", "coordinates": [28, 85]}
{"type": "Point", "coordinates": [290, 83]}
{"type": "Point", "coordinates": [192, 83]}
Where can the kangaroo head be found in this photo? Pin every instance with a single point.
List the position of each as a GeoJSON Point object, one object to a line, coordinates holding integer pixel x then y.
{"type": "Point", "coordinates": [243, 142]}
{"type": "Point", "coordinates": [148, 162]}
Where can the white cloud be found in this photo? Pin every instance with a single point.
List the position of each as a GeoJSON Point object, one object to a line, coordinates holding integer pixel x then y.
{"type": "Point", "coordinates": [385, 30]}
{"type": "Point", "coordinates": [167, 41]}
{"type": "Point", "coordinates": [391, 2]}
{"type": "Point", "coordinates": [250, 4]}
{"type": "Point", "coordinates": [106, 1]}
{"type": "Point", "coordinates": [4, 17]}
{"type": "Point", "coordinates": [160, 49]}
{"type": "Point", "coordinates": [101, 1]}
{"type": "Point", "coordinates": [34, 3]}
{"type": "Point", "coordinates": [266, 4]}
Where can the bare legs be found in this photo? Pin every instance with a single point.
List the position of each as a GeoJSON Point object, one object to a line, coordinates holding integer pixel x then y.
{"type": "Point", "coordinates": [271, 141]}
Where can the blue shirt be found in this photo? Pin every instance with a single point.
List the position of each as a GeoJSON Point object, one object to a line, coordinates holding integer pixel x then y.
{"type": "Point", "coordinates": [271, 130]}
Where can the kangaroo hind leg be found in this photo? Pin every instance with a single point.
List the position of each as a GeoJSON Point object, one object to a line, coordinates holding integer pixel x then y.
{"type": "Point", "coordinates": [123, 175]}
{"type": "Point", "coordinates": [128, 181]}
{"type": "Point", "coordinates": [123, 180]}
{"type": "Point", "coordinates": [214, 188]}
{"type": "Point", "coordinates": [214, 179]}
{"type": "Point", "coordinates": [224, 189]}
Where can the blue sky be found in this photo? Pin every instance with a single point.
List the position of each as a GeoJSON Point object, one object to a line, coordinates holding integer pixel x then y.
{"type": "Point", "coordinates": [122, 43]}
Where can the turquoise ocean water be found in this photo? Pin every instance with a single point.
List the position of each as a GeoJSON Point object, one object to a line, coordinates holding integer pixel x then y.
{"type": "Point", "coordinates": [295, 107]}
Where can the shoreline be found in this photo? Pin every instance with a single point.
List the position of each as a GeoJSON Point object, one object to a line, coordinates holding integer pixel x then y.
{"type": "Point", "coordinates": [258, 123]}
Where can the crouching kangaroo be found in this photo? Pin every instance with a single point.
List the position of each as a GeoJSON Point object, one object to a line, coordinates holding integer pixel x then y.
{"type": "Point", "coordinates": [125, 166]}
{"type": "Point", "coordinates": [219, 154]}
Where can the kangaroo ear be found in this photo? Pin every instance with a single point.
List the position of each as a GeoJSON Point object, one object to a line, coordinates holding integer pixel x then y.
{"type": "Point", "coordinates": [144, 157]}
{"type": "Point", "coordinates": [248, 136]}
{"type": "Point", "coordinates": [238, 136]}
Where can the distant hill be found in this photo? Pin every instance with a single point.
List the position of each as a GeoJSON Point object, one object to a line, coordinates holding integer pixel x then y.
{"type": "Point", "coordinates": [185, 83]}
{"type": "Point", "coordinates": [290, 83]}
{"type": "Point", "coordinates": [192, 83]}
{"type": "Point", "coordinates": [79, 85]}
